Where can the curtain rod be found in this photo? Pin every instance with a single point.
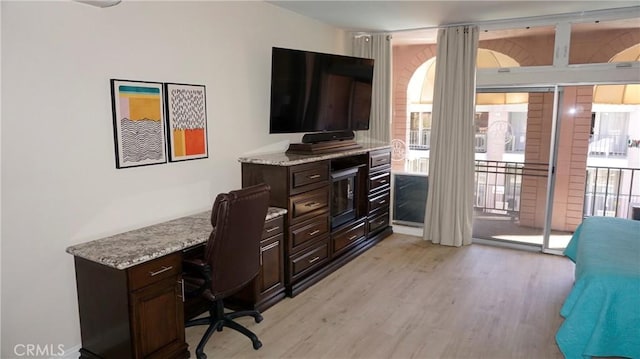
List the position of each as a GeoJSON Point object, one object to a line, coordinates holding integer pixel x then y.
{"type": "Point", "coordinates": [606, 14]}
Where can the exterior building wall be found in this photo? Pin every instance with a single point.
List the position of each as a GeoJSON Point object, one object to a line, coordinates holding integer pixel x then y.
{"type": "Point", "coordinates": [573, 147]}
{"type": "Point", "coordinates": [406, 59]}
{"type": "Point", "coordinates": [534, 185]}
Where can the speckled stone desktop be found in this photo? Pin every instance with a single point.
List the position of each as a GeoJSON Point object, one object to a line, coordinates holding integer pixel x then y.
{"type": "Point", "coordinates": [127, 249]}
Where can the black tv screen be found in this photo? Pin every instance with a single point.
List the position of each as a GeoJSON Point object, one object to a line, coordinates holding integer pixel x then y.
{"type": "Point", "coordinates": [315, 92]}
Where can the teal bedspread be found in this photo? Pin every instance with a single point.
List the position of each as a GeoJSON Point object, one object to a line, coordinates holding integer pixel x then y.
{"type": "Point", "coordinates": [602, 311]}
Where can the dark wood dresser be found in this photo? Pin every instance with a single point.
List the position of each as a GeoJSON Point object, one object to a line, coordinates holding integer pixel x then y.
{"type": "Point", "coordinates": [316, 239]}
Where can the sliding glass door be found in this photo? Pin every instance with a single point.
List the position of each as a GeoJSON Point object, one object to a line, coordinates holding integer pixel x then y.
{"type": "Point", "coordinates": [597, 160]}
{"type": "Point", "coordinates": [513, 142]}
{"type": "Point", "coordinates": [548, 157]}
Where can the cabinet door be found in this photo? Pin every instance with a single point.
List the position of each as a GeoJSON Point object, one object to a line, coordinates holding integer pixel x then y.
{"type": "Point", "coordinates": [272, 271]}
{"type": "Point", "coordinates": [158, 320]}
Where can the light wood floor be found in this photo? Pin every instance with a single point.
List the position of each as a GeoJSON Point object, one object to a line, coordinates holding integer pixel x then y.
{"type": "Point", "coordinates": [407, 298]}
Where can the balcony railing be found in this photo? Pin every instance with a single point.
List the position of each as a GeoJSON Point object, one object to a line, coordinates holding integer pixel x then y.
{"type": "Point", "coordinates": [608, 145]}
{"type": "Point", "coordinates": [498, 184]}
{"type": "Point", "coordinates": [421, 140]}
{"type": "Point", "coordinates": [611, 191]}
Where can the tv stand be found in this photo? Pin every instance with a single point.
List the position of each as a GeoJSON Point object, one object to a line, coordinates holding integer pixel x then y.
{"type": "Point", "coordinates": [324, 142]}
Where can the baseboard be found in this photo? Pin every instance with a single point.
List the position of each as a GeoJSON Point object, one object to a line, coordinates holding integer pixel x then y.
{"type": "Point", "coordinates": [408, 230]}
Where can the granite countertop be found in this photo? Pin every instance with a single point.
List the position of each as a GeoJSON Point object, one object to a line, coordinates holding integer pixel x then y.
{"type": "Point", "coordinates": [285, 159]}
{"type": "Point", "coordinates": [127, 249]}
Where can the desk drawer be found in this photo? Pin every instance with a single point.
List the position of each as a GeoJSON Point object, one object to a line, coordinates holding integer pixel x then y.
{"type": "Point", "coordinates": [155, 270]}
{"type": "Point", "coordinates": [312, 257]}
{"type": "Point", "coordinates": [273, 227]}
{"type": "Point", "coordinates": [308, 231]}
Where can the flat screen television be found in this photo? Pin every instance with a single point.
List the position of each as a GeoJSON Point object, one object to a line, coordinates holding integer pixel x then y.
{"type": "Point", "coordinates": [317, 92]}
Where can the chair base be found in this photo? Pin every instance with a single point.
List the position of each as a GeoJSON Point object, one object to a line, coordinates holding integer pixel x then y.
{"type": "Point", "coordinates": [217, 320]}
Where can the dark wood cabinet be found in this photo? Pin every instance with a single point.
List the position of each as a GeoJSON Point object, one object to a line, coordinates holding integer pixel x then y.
{"type": "Point", "coordinates": [158, 320]}
{"type": "Point", "coordinates": [313, 245]}
{"type": "Point", "coordinates": [379, 196]}
{"type": "Point", "coordinates": [268, 287]}
{"type": "Point", "coordinates": [133, 313]}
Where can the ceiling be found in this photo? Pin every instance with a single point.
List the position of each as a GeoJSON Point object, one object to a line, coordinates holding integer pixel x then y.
{"type": "Point", "coordinates": [392, 16]}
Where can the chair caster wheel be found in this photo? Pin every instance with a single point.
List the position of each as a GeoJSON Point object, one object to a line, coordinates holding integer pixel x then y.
{"type": "Point", "coordinates": [201, 356]}
{"type": "Point", "coordinates": [258, 318]}
{"type": "Point", "coordinates": [257, 344]}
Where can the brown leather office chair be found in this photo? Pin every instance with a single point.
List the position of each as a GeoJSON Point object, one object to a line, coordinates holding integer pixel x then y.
{"type": "Point", "coordinates": [231, 261]}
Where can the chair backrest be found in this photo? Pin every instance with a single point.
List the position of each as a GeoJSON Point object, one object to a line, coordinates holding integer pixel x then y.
{"type": "Point", "coordinates": [233, 248]}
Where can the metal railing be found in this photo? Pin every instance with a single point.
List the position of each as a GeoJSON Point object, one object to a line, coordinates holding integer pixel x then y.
{"type": "Point", "coordinates": [611, 191]}
{"type": "Point", "coordinates": [421, 140]}
{"type": "Point", "coordinates": [608, 145]}
{"type": "Point", "coordinates": [498, 184]}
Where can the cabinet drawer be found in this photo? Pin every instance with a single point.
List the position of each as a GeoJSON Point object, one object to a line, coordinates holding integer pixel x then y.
{"type": "Point", "coordinates": [379, 181]}
{"type": "Point", "coordinates": [379, 201]}
{"type": "Point", "coordinates": [308, 231]}
{"type": "Point", "coordinates": [379, 159]}
{"type": "Point", "coordinates": [378, 222]}
{"type": "Point", "coordinates": [309, 174]}
{"type": "Point", "coordinates": [309, 258]}
{"type": "Point", "coordinates": [273, 227]}
{"type": "Point", "coordinates": [154, 271]}
{"type": "Point", "coordinates": [308, 204]}
{"type": "Point", "coordinates": [347, 237]}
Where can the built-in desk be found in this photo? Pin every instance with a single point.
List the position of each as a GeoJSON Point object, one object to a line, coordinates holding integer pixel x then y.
{"type": "Point", "coordinates": [130, 290]}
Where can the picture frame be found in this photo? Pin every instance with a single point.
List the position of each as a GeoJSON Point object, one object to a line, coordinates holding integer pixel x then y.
{"type": "Point", "coordinates": [186, 110]}
{"type": "Point", "coordinates": [138, 123]}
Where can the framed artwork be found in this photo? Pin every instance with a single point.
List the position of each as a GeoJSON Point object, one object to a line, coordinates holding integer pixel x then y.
{"type": "Point", "coordinates": [186, 121]}
{"type": "Point", "coordinates": [138, 123]}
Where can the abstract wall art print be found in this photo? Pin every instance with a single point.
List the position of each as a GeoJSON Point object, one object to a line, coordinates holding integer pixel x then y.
{"type": "Point", "coordinates": [138, 122]}
{"type": "Point", "coordinates": [186, 121]}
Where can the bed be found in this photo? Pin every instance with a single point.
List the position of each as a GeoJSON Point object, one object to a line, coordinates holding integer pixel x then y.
{"type": "Point", "coordinates": [602, 311]}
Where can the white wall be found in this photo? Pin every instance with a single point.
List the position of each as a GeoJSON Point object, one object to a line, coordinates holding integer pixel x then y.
{"type": "Point", "coordinates": [59, 182]}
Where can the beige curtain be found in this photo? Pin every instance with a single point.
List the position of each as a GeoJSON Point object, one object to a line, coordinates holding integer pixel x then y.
{"type": "Point", "coordinates": [449, 213]}
{"type": "Point", "coordinates": [378, 48]}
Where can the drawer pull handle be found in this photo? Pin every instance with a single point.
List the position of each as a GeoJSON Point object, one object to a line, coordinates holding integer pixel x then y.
{"type": "Point", "coordinates": [266, 248]}
{"type": "Point", "coordinates": [313, 176]}
{"type": "Point", "coordinates": [382, 201]}
{"type": "Point", "coordinates": [383, 181]}
{"type": "Point", "coordinates": [380, 222]}
{"type": "Point", "coordinates": [313, 233]}
{"type": "Point", "coordinates": [353, 237]}
{"type": "Point", "coordinates": [164, 269]}
{"type": "Point", "coordinates": [314, 259]}
{"type": "Point", "coordinates": [312, 204]}
{"type": "Point", "coordinates": [269, 230]}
